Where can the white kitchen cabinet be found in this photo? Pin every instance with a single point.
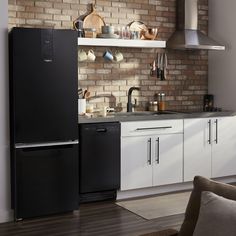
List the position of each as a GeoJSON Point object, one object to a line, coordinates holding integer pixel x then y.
{"type": "Point", "coordinates": [197, 148]}
{"type": "Point", "coordinates": [224, 147]}
{"type": "Point", "coordinates": [151, 153]}
{"type": "Point", "coordinates": [136, 168]}
{"type": "Point", "coordinates": [167, 159]}
{"type": "Point", "coordinates": [209, 147]}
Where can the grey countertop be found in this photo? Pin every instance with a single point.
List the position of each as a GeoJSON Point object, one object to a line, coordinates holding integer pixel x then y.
{"type": "Point", "coordinates": [145, 116]}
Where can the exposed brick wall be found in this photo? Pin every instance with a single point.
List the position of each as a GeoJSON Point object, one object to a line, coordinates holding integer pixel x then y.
{"type": "Point", "coordinates": [186, 81]}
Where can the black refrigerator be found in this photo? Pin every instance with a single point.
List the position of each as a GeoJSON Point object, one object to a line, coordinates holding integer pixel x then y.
{"type": "Point", "coordinates": [43, 121]}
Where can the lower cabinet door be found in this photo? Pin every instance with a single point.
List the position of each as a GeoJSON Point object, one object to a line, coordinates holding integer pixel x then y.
{"type": "Point", "coordinates": [168, 159]}
{"type": "Point", "coordinates": [197, 148]}
{"type": "Point", "coordinates": [136, 162]}
{"type": "Point", "coordinates": [224, 146]}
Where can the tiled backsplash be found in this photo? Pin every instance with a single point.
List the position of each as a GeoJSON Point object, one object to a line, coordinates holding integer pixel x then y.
{"type": "Point", "coordinates": [109, 82]}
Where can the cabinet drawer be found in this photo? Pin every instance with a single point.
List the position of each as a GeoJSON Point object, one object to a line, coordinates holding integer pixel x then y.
{"type": "Point", "coordinates": [151, 127]}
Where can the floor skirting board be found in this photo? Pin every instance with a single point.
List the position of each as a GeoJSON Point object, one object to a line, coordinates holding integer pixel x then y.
{"type": "Point", "coordinates": [165, 189]}
{"type": "Point", "coordinates": [6, 216]}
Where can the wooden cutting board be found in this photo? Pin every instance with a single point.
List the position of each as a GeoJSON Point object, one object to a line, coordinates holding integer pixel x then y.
{"type": "Point", "coordinates": [93, 20]}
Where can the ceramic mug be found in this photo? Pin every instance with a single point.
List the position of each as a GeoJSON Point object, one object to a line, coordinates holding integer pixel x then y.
{"type": "Point", "coordinates": [108, 55]}
{"type": "Point", "coordinates": [118, 56]}
{"type": "Point", "coordinates": [107, 29]}
{"type": "Point", "coordinates": [91, 55]}
{"type": "Point", "coordinates": [82, 55]}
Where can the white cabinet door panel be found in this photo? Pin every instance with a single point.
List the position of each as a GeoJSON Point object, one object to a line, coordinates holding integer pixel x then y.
{"type": "Point", "coordinates": [136, 172]}
{"type": "Point", "coordinates": [168, 159]}
{"type": "Point", "coordinates": [197, 148]}
{"type": "Point", "coordinates": [224, 147]}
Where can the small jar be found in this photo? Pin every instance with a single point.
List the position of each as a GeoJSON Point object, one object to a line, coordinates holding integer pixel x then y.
{"type": "Point", "coordinates": [153, 106]}
{"type": "Point", "coordinates": [89, 108]}
{"type": "Point", "coordinates": [90, 33]}
{"type": "Point", "coordinates": [161, 101]}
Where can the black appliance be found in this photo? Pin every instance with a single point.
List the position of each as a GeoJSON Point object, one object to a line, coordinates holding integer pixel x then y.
{"type": "Point", "coordinates": [44, 121]}
{"type": "Point", "coordinates": [208, 102]}
{"type": "Point", "coordinates": [99, 161]}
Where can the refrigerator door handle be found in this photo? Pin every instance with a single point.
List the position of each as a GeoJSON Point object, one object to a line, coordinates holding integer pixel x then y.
{"type": "Point", "coordinates": [32, 145]}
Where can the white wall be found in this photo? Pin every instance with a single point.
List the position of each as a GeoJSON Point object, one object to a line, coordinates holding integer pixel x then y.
{"type": "Point", "coordinates": [222, 64]}
{"type": "Point", "coordinates": [5, 212]}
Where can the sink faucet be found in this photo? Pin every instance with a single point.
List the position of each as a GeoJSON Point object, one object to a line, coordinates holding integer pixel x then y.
{"type": "Point", "coordinates": [130, 105]}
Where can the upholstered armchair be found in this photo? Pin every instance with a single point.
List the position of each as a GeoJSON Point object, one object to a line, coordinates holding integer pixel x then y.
{"type": "Point", "coordinates": [223, 191]}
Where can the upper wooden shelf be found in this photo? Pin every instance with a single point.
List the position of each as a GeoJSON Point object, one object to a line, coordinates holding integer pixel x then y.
{"type": "Point", "coordinates": [121, 43]}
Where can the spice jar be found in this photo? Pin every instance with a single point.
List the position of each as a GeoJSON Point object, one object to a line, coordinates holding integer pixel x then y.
{"type": "Point", "coordinates": [153, 106]}
{"type": "Point", "coordinates": [161, 101]}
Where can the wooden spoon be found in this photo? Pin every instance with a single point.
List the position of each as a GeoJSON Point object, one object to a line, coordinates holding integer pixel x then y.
{"type": "Point", "coordinates": [87, 95]}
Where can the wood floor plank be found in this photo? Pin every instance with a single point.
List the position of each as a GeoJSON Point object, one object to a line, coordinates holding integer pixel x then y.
{"type": "Point", "coordinates": [92, 219]}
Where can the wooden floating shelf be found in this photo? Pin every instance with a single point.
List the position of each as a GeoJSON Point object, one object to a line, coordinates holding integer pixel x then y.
{"type": "Point", "coordinates": [121, 43]}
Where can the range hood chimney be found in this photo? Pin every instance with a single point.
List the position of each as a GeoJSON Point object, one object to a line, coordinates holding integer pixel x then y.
{"type": "Point", "coordinates": [187, 35]}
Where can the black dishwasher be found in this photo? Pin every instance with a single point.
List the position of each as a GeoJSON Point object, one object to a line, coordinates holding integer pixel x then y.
{"type": "Point", "coordinates": [99, 161]}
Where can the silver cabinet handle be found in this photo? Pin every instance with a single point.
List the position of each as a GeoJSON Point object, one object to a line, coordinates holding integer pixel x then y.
{"type": "Point", "coordinates": [158, 150]}
{"type": "Point", "coordinates": [149, 160]}
{"type": "Point", "coordinates": [209, 123]}
{"type": "Point", "coordinates": [216, 139]}
{"type": "Point", "coordinates": [154, 128]}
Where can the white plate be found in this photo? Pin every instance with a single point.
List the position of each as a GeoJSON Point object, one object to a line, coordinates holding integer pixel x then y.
{"type": "Point", "coordinates": [114, 36]}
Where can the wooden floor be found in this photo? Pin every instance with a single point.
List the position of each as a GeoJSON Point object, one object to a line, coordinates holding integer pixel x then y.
{"type": "Point", "coordinates": [93, 219]}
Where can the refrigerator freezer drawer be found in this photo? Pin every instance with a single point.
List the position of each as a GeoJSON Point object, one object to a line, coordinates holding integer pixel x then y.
{"type": "Point", "coordinates": [45, 180]}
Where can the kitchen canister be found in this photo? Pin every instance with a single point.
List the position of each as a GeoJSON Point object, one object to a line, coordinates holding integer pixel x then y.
{"type": "Point", "coordinates": [161, 101]}
{"type": "Point", "coordinates": [153, 106]}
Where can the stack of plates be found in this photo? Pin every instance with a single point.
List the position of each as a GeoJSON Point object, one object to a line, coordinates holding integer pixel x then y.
{"type": "Point", "coordinates": [109, 36]}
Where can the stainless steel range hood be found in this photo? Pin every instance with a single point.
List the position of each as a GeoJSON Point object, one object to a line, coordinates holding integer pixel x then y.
{"type": "Point", "coordinates": [187, 35]}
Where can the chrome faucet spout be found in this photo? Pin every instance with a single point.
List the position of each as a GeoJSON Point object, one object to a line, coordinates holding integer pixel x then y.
{"type": "Point", "coordinates": [129, 104]}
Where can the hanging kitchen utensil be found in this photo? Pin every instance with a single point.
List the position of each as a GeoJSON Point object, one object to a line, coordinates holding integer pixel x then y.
{"type": "Point", "coordinates": [85, 91]}
{"type": "Point", "coordinates": [165, 66]}
{"type": "Point", "coordinates": [158, 66]}
{"type": "Point", "coordinates": [87, 94]}
{"type": "Point", "coordinates": [162, 66]}
{"type": "Point", "coordinates": [161, 72]}
{"type": "Point", "coordinates": [80, 92]}
{"type": "Point", "coordinates": [153, 68]}
{"type": "Point", "coordinates": [93, 20]}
